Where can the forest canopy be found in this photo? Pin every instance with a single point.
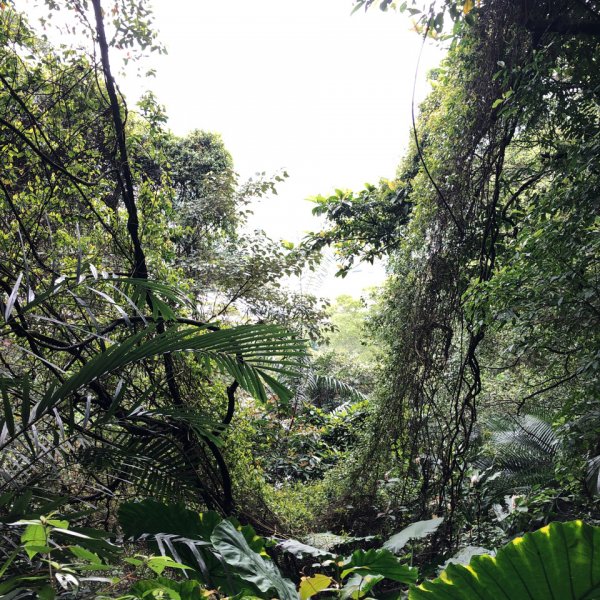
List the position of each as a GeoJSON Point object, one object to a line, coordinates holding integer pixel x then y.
{"type": "Point", "coordinates": [178, 422]}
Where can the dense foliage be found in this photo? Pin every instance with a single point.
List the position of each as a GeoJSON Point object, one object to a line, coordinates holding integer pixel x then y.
{"type": "Point", "coordinates": [491, 310]}
{"type": "Point", "coordinates": [165, 426]}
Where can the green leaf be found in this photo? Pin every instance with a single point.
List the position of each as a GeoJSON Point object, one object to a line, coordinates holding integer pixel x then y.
{"type": "Point", "coordinates": [9, 419]}
{"type": "Point", "coordinates": [46, 592]}
{"type": "Point", "coordinates": [25, 404]}
{"type": "Point", "coordinates": [136, 562]}
{"type": "Point", "coordinates": [300, 550]}
{"type": "Point", "coordinates": [358, 586]}
{"type": "Point", "coordinates": [149, 516]}
{"type": "Point", "coordinates": [245, 352]}
{"type": "Point", "coordinates": [249, 565]}
{"type": "Point", "coordinates": [8, 561]}
{"type": "Point", "coordinates": [34, 539]}
{"type": "Point", "coordinates": [178, 590]}
{"type": "Point", "coordinates": [415, 531]}
{"type": "Point", "coordinates": [558, 561]}
{"type": "Point", "coordinates": [84, 554]}
{"type": "Point", "coordinates": [58, 523]}
{"type": "Point", "coordinates": [378, 562]}
{"type": "Point", "coordinates": [147, 589]}
{"type": "Point", "coordinates": [159, 563]}
{"type": "Point", "coordinates": [310, 586]}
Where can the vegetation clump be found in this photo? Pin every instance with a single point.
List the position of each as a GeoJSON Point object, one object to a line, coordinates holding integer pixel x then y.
{"type": "Point", "coordinates": [176, 422]}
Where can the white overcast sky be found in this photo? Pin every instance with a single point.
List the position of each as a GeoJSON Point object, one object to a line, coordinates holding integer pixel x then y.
{"type": "Point", "coordinates": [301, 86]}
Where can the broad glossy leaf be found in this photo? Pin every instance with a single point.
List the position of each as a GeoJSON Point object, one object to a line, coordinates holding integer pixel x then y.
{"type": "Point", "coordinates": [150, 517]}
{"type": "Point", "coordinates": [358, 586]}
{"type": "Point", "coordinates": [559, 561]}
{"type": "Point", "coordinates": [34, 539]}
{"type": "Point", "coordinates": [415, 531]}
{"type": "Point", "coordinates": [379, 562]}
{"type": "Point", "coordinates": [299, 549]}
{"type": "Point", "coordinates": [464, 556]}
{"type": "Point", "coordinates": [185, 535]}
{"type": "Point", "coordinates": [249, 565]}
{"type": "Point", "coordinates": [310, 586]}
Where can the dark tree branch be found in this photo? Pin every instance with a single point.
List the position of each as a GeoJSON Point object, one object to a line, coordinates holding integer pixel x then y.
{"type": "Point", "coordinates": [140, 268]}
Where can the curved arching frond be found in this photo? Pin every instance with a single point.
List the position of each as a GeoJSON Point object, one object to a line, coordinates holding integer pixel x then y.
{"type": "Point", "coordinates": [520, 452]}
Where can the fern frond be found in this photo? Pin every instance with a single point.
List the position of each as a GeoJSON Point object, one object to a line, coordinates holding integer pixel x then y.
{"type": "Point", "coordinates": [520, 452]}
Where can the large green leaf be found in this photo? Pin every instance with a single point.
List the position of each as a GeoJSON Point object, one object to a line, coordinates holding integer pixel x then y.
{"type": "Point", "coordinates": [300, 550]}
{"type": "Point", "coordinates": [311, 586]}
{"type": "Point", "coordinates": [560, 561]}
{"type": "Point", "coordinates": [378, 562]}
{"type": "Point", "coordinates": [187, 536]}
{"type": "Point", "coordinates": [178, 590]}
{"type": "Point", "coordinates": [249, 565]}
{"type": "Point", "coordinates": [151, 517]}
{"type": "Point", "coordinates": [176, 531]}
{"type": "Point", "coordinates": [358, 586]}
{"type": "Point", "coordinates": [415, 531]}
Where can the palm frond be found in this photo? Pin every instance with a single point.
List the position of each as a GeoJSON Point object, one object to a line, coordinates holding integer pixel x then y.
{"type": "Point", "coordinates": [520, 452]}
{"type": "Point", "coordinates": [524, 431]}
{"type": "Point", "coordinates": [326, 383]}
{"type": "Point", "coordinates": [248, 353]}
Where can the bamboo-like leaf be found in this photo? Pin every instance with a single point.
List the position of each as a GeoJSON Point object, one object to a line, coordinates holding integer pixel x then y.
{"type": "Point", "coordinates": [10, 303]}
{"type": "Point", "coordinates": [9, 418]}
{"type": "Point", "coordinates": [131, 303]}
{"type": "Point", "coordinates": [284, 394]}
{"type": "Point", "coordinates": [25, 401]}
{"type": "Point", "coordinates": [112, 302]}
{"type": "Point", "coordinates": [116, 400]}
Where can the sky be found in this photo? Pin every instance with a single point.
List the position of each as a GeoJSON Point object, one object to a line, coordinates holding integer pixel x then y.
{"type": "Point", "coordinates": [301, 86]}
{"type": "Point", "coordinates": [304, 87]}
